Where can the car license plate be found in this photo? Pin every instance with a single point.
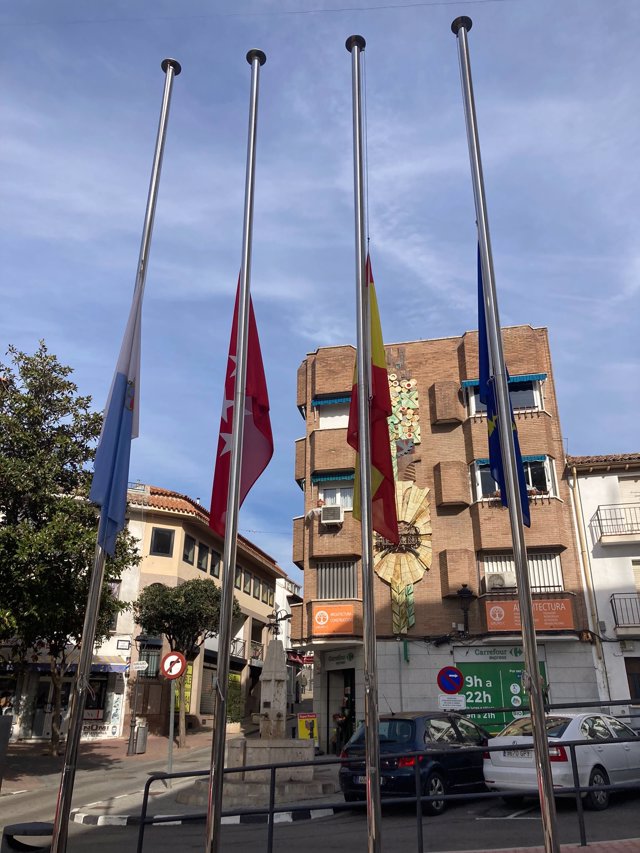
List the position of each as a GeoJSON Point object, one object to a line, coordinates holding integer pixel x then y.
{"type": "Point", "coordinates": [360, 780]}
{"type": "Point", "coordinates": [517, 753]}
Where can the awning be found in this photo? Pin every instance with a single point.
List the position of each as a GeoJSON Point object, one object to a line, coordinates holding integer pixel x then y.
{"type": "Point", "coordinates": [540, 457]}
{"type": "Point", "coordinates": [330, 478]}
{"type": "Point", "coordinates": [525, 377]}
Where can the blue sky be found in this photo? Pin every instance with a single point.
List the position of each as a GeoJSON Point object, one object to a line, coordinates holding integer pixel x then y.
{"type": "Point", "coordinates": [556, 94]}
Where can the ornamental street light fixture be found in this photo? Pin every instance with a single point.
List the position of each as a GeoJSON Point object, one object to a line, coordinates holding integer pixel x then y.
{"type": "Point", "coordinates": [465, 597]}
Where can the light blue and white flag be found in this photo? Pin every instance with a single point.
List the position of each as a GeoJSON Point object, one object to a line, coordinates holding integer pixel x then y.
{"type": "Point", "coordinates": [111, 469]}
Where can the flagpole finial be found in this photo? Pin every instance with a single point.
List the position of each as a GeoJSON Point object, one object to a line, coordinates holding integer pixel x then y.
{"type": "Point", "coordinates": [166, 64]}
{"type": "Point", "coordinates": [254, 53]}
{"type": "Point", "coordinates": [462, 21]}
{"type": "Point", "coordinates": [355, 41]}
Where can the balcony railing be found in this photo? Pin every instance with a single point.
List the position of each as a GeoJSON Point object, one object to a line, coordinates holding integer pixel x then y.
{"type": "Point", "coordinates": [626, 609]}
{"type": "Point", "coordinates": [616, 520]}
{"type": "Point", "coordinates": [257, 652]}
{"type": "Point", "coordinates": [237, 648]}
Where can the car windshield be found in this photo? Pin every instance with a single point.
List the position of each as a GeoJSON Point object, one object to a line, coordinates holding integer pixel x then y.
{"type": "Point", "coordinates": [391, 731]}
{"type": "Point", "coordinates": [556, 727]}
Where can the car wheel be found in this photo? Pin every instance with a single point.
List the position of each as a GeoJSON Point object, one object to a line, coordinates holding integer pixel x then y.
{"type": "Point", "coordinates": [597, 801]}
{"type": "Point", "coordinates": [434, 786]}
{"type": "Point", "coordinates": [513, 801]}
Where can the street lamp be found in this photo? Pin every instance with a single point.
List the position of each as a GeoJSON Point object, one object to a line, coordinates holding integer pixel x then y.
{"type": "Point", "coordinates": [131, 746]}
{"type": "Point", "coordinates": [465, 597]}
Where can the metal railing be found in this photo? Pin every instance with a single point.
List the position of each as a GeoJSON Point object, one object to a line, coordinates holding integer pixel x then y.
{"type": "Point", "coordinates": [257, 651]}
{"type": "Point", "coordinates": [237, 648]}
{"type": "Point", "coordinates": [626, 609]}
{"type": "Point", "coordinates": [271, 809]}
{"type": "Point", "coordinates": [616, 520]}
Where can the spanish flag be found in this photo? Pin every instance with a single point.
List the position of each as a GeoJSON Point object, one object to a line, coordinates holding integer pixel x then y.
{"type": "Point", "coordinates": [383, 490]}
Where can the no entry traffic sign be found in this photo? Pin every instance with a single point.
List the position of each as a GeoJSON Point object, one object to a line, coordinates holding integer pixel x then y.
{"type": "Point", "coordinates": [450, 680]}
{"type": "Point", "coordinates": [173, 665]}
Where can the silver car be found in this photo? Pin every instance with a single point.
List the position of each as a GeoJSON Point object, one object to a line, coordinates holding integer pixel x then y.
{"type": "Point", "coordinates": [598, 763]}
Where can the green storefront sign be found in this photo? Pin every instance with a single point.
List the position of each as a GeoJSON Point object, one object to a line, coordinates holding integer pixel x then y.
{"type": "Point", "coordinates": [495, 685]}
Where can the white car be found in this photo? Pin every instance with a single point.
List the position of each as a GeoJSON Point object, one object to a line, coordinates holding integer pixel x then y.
{"type": "Point", "coordinates": [598, 763]}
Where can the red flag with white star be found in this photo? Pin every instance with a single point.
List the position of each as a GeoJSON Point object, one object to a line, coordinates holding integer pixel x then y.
{"type": "Point", "coordinates": [257, 443]}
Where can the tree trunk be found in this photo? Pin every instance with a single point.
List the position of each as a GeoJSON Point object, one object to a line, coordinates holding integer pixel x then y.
{"type": "Point", "coordinates": [56, 713]}
{"type": "Point", "coordinates": [182, 723]}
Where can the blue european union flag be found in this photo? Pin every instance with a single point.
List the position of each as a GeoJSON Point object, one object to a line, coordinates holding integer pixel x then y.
{"type": "Point", "coordinates": [486, 394]}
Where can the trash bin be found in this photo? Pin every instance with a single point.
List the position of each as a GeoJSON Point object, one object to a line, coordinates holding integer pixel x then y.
{"type": "Point", "coordinates": [37, 829]}
{"type": "Point", "coordinates": [142, 731]}
{"type": "Point", "coordinates": [5, 734]}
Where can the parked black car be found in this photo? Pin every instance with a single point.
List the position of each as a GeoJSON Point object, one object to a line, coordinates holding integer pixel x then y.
{"type": "Point", "coordinates": [447, 764]}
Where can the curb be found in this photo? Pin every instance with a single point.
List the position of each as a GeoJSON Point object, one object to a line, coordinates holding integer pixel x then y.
{"type": "Point", "coordinates": [134, 820]}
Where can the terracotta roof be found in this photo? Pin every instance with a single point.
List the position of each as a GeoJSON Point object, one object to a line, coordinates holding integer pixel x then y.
{"type": "Point", "coordinates": [158, 498]}
{"type": "Point", "coordinates": [611, 460]}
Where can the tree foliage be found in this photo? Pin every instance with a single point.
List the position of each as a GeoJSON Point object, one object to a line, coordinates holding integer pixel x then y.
{"type": "Point", "coordinates": [186, 615]}
{"type": "Point", "coordinates": [47, 527]}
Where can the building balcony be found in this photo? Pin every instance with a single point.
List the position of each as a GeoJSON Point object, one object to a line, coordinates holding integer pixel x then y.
{"type": "Point", "coordinates": [615, 524]}
{"type": "Point", "coordinates": [549, 524]}
{"type": "Point", "coordinates": [626, 613]}
{"type": "Point", "coordinates": [298, 542]}
{"type": "Point", "coordinates": [330, 540]}
{"type": "Point", "coordinates": [329, 451]}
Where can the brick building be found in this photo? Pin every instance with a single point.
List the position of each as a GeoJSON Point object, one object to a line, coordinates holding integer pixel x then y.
{"type": "Point", "coordinates": [456, 546]}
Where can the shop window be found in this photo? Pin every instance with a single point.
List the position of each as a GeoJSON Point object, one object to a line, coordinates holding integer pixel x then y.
{"type": "Point", "coordinates": [161, 542]}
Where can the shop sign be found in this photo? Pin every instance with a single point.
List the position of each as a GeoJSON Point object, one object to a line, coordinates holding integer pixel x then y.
{"type": "Point", "coordinates": [493, 654]}
{"type": "Point", "coordinates": [495, 685]}
{"type": "Point", "coordinates": [339, 660]}
{"type": "Point", "coordinates": [332, 619]}
{"type": "Point", "coordinates": [308, 727]}
{"type": "Point", "coordinates": [549, 614]}
{"type": "Point", "coordinates": [188, 680]}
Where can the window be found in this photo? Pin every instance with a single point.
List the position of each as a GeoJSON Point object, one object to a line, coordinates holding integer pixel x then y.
{"type": "Point", "coordinates": [203, 557]}
{"type": "Point", "coordinates": [539, 473]}
{"type": "Point", "coordinates": [238, 578]}
{"type": "Point", "coordinates": [619, 729]}
{"type": "Point", "coordinates": [247, 582]}
{"type": "Point", "coordinates": [545, 571]}
{"type": "Point", "coordinates": [594, 728]}
{"type": "Point", "coordinates": [332, 412]}
{"type": "Point", "coordinates": [525, 393]}
{"type": "Point", "coordinates": [469, 732]}
{"type": "Point", "coordinates": [215, 564]}
{"type": "Point", "coordinates": [337, 494]}
{"type": "Point", "coordinates": [337, 579]}
{"type": "Point", "coordinates": [152, 656]}
{"type": "Point", "coordinates": [439, 731]}
{"type": "Point", "coordinates": [161, 542]}
{"type": "Point", "coordinates": [271, 596]}
{"type": "Point", "coordinates": [114, 587]}
{"type": "Point", "coordinates": [189, 550]}
{"type": "Point", "coordinates": [256, 587]}
{"type": "Point", "coordinates": [265, 593]}
{"type": "Point", "coordinates": [632, 666]}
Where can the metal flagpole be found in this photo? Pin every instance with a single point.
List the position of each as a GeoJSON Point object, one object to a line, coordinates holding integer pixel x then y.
{"type": "Point", "coordinates": [531, 676]}
{"type": "Point", "coordinates": [255, 58]}
{"type": "Point", "coordinates": [65, 792]}
{"type": "Point", "coordinates": [356, 44]}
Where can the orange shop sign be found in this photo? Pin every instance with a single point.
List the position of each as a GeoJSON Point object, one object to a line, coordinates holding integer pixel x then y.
{"type": "Point", "coordinates": [549, 614]}
{"type": "Point", "coordinates": [332, 618]}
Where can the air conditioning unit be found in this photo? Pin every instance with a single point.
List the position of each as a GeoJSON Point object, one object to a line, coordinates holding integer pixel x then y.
{"type": "Point", "coordinates": [331, 515]}
{"type": "Point", "coordinates": [501, 580]}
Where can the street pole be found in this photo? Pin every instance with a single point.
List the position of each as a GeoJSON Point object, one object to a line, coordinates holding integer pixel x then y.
{"type": "Point", "coordinates": [172, 725]}
{"type": "Point", "coordinates": [81, 684]}
{"type": "Point", "coordinates": [531, 676]}
{"type": "Point", "coordinates": [131, 746]}
{"type": "Point", "coordinates": [255, 58]}
{"type": "Point", "coordinates": [355, 45]}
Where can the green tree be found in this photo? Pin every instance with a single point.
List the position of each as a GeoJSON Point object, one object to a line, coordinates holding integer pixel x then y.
{"type": "Point", "coordinates": [186, 615]}
{"type": "Point", "coordinates": [47, 527]}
